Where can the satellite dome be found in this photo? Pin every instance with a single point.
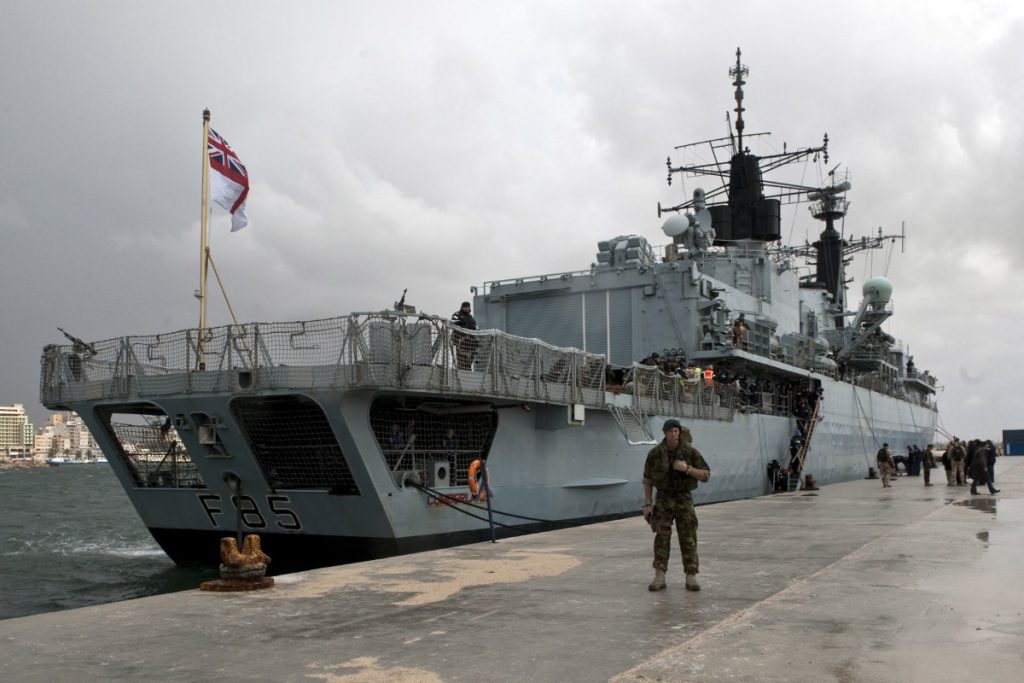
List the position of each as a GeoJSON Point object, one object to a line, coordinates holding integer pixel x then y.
{"type": "Point", "coordinates": [675, 225]}
{"type": "Point", "coordinates": [878, 291]}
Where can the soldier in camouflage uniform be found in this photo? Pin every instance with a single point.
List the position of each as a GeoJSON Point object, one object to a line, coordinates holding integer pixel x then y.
{"type": "Point", "coordinates": [929, 463]}
{"type": "Point", "coordinates": [673, 467]}
{"type": "Point", "coordinates": [958, 454]}
{"type": "Point", "coordinates": [885, 464]}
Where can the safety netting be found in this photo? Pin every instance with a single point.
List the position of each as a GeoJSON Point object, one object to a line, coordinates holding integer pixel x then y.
{"type": "Point", "coordinates": [656, 392]}
{"type": "Point", "coordinates": [152, 449]}
{"type": "Point", "coordinates": [386, 350]}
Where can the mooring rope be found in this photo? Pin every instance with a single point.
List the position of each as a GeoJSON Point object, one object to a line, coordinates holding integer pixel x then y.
{"type": "Point", "coordinates": [455, 505]}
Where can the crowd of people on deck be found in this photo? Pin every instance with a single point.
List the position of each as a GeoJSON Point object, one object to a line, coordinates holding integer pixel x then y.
{"type": "Point", "coordinates": [751, 388]}
{"type": "Point", "coordinates": [785, 396]}
{"type": "Point", "coordinates": [973, 460]}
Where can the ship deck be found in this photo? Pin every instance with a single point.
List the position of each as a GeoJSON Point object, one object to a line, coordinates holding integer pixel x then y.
{"type": "Point", "coordinates": [853, 582]}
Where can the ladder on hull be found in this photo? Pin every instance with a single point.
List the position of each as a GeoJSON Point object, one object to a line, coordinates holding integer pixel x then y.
{"type": "Point", "coordinates": [801, 455]}
{"type": "Point", "coordinates": [633, 423]}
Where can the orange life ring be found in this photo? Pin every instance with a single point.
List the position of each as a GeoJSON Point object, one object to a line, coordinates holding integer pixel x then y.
{"type": "Point", "coordinates": [476, 488]}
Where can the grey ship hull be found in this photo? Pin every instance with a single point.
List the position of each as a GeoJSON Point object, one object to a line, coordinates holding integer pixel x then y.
{"type": "Point", "coordinates": [546, 470]}
{"type": "Point", "coordinates": [573, 476]}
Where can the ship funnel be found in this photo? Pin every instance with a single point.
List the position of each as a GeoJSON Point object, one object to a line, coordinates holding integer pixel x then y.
{"type": "Point", "coordinates": [877, 291]}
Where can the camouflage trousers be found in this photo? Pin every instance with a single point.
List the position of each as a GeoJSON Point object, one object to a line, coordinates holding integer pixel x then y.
{"type": "Point", "coordinates": [885, 469]}
{"type": "Point", "coordinates": [678, 509]}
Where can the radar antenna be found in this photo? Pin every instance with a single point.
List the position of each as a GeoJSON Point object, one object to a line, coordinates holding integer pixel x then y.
{"type": "Point", "coordinates": [752, 165]}
{"type": "Point", "coordinates": [739, 72]}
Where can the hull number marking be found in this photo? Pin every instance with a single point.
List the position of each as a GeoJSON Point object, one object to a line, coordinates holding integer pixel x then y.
{"type": "Point", "coordinates": [248, 511]}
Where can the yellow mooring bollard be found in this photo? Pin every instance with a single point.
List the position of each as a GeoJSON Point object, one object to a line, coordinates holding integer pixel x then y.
{"type": "Point", "coordinates": [243, 570]}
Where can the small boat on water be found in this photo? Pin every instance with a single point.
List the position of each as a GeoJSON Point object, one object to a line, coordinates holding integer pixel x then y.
{"type": "Point", "coordinates": [59, 460]}
{"type": "Point", "coordinates": [370, 434]}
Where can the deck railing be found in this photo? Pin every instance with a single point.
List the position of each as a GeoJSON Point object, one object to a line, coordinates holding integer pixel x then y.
{"type": "Point", "coordinates": [374, 350]}
{"type": "Point", "coordinates": [658, 393]}
{"type": "Point", "coordinates": [386, 351]}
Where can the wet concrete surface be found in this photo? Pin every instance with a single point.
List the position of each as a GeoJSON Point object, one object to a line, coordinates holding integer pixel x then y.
{"type": "Point", "coordinates": [849, 583]}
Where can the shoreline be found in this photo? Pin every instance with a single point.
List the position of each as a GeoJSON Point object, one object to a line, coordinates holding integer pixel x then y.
{"type": "Point", "coordinates": [21, 464]}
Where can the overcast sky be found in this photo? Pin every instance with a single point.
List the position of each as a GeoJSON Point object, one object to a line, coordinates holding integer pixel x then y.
{"type": "Point", "coordinates": [436, 145]}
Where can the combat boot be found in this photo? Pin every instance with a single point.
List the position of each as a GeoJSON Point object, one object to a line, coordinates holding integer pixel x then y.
{"type": "Point", "coordinates": [691, 582]}
{"type": "Point", "coordinates": [658, 584]}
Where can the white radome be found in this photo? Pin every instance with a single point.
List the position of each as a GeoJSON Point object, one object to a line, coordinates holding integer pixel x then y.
{"type": "Point", "coordinates": [878, 291]}
{"type": "Point", "coordinates": [675, 225]}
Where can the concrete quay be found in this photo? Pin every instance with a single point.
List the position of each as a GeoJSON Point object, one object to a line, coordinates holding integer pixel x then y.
{"type": "Point", "coordinates": [850, 583]}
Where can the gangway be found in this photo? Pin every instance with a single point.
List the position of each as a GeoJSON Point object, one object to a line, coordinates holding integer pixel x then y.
{"type": "Point", "coordinates": [801, 455]}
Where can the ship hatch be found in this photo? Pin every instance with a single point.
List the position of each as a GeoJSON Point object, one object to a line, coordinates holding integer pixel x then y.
{"type": "Point", "coordinates": [293, 443]}
{"type": "Point", "coordinates": [413, 437]}
{"type": "Point", "coordinates": [148, 443]}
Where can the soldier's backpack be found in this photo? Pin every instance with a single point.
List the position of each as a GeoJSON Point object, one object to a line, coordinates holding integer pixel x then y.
{"type": "Point", "coordinates": [958, 454]}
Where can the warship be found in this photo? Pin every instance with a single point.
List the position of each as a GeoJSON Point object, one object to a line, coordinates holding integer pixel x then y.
{"type": "Point", "coordinates": [386, 432]}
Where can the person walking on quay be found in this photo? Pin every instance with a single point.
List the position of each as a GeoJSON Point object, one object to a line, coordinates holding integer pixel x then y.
{"type": "Point", "coordinates": [947, 464]}
{"type": "Point", "coordinates": [957, 455]}
{"type": "Point", "coordinates": [979, 469]}
{"type": "Point", "coordinates": [991, 461]}
{"type": "Point", "coordinates": [884, 461]}
{"type": "Point", "coordinates": [928, 462]}
{"type": "Point", "coordinates": [673, 467]}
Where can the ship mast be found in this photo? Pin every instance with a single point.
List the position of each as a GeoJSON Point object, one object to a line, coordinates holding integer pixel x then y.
{"type": "Point", "coordinates": [739, 72]}
{"type": "Point", "coordinates": [829, 204]}
{"type": "Point", "coordinates": [204, 250]}
{"type": "Point", "coordinates": [748, 206]}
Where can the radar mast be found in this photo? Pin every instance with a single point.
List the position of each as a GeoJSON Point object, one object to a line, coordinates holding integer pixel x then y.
{"type": "Point", "coordinates": [739, 72]}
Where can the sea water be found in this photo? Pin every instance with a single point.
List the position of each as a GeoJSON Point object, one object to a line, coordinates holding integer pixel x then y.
{"type": "Point", "coordinates": [69, 537]}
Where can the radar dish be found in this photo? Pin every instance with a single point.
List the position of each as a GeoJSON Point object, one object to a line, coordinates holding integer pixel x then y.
{"type": "Point", "coordinates": [704, 219]}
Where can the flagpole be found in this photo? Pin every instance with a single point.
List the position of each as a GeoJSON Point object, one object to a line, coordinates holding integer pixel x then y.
{"type": "Point", "coordinates": [203, 249]}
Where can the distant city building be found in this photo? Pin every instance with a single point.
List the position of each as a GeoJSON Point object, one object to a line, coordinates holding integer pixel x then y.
{"type": "Point", "coordinates": [15, 432]}
{"type": "Point", "coordinates": [65, 434]}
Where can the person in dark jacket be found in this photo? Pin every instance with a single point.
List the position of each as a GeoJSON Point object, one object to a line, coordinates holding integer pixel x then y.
{"type": "Point", "coordinates": [979, 469]}
{"type": "Point", "coordinates": [465, 344]}
{"type": "Point", "coordinates": [991, 462]}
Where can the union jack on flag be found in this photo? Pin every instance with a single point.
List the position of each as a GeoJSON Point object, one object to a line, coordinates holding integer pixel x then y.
{"type": "Point", "coordinates": [229, 183]}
